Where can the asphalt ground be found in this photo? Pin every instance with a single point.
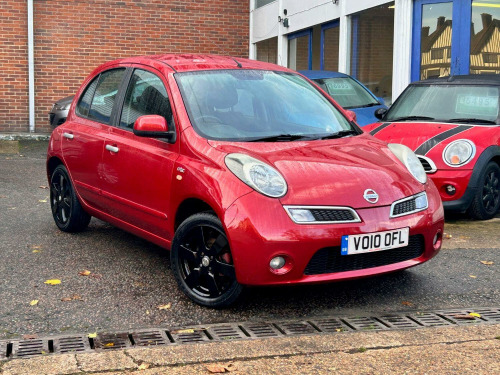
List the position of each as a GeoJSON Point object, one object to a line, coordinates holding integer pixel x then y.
{"type": "Point", "coordinates": [130, 278]}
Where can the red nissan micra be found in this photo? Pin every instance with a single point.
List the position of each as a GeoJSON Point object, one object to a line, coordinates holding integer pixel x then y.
{"type": "Point", "coordinates": [246, 171]}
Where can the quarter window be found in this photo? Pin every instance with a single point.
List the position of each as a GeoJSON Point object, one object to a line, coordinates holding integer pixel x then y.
{"type": "Point", "coordinates": [105, 95]}
{"type": "Point", "coordinates": [146, 95]}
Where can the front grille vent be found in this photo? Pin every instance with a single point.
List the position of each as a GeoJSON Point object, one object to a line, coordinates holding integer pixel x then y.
{"type": "Point", "coordinates": [333, 215]}
{"type": "Point", "coordinates": [404, 207]}
{"type": "Point", "coordinates": [428, 164]}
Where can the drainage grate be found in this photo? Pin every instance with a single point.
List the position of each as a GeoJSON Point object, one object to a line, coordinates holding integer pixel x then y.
{"type": "Point", "coordinates": [226, 332]}
{"type": "Point", "coordinates": [331, 325]}
{"type": "Point", "coordinates": [261, 330]}
{"type": "Point", "coordinates": [244, 331]}
{"type": "Point", "coordinates": [29, 348]}
{"type": "Point", "coordinates": [190, 335]}
{"type": "Point", "coordinates": [71, 344]}
{"type": "Point", "coordinates": [296, 328]}
{"type": "Point", "coordinates": [429, 320]}
{"type": "Point", "coordinates": [398, 321]}
{"type": "Point", "coordinates": [150, 338]}
{"type": "Point", "coordinates": [108, 341]}
{"type": "Point", "coordinates": [364, 323]}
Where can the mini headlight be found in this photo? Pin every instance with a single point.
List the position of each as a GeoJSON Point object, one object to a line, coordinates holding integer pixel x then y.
{"type": "Point", "coordinates": [459, 152]}
{"type": "Point", "coordinates": [410, 160]}
{"type": "Point", "coordinates": [257, 174]}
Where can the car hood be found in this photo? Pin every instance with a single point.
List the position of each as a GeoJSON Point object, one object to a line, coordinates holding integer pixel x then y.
{"type": "Point", "coordinates": [64, 101]}
{"type": "Point", "coordinates": [333, 172]}
{"type": "Point", "coordinates": [419, 136]}
{"type": "Point", "coordinates": [366, 115]}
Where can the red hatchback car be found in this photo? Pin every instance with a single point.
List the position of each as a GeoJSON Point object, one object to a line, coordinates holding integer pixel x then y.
{"type": "Point", "coordinates": [453, 125]}
{"type": "Point", "coordinates": [246, 171]}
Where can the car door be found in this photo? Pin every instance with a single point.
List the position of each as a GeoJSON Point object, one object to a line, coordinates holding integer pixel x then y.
{"type": "Point", "coordinates": [139, 170]}
{"type": "Point", "coordinates": [84, 134]}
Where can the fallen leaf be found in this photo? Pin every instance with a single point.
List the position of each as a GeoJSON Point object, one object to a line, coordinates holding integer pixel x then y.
{"type": "Point", "coordinates": [143, 366]}
{"type": "Point", "coordinates": [487, 262]}
{"type": "Point", "coordinates": [147, 312]}
{"type": "Point", "coordinates": [36, 251]}
{"type": "Point", "coordinates": [84, 273]}
{"type": "Point", "coordinates": [184, 331]}
{"type": "Point", "coordinates": [92, 335]}
{"type": "Point", "coordinates": [109, 344]}
{"type": "Point", "coordinates": [66, 299]}
{"type": "Point", "coordinates": [407, 303]}
{"type": "Point", "coordinates": [231, 367]}
{"type": "Point", "coordinates": [165, 307]}
{"type": "Point", "coordinates": [473, 276]}
{"type": "Point", "coordinates": [30, 337]}
{"type": "Point", "coordinates": [73, 297]}
{"type": "Point", "coordinates": [338, 329]}
{"type": "Point", "coordinates": [447, 236]}
{"type": "Point", "coordinates": [475, 315]}
{"type": "Point", "coordinates": [215, 368]}
{"type": "Point", "coordinates": [34, 302]}
{"type": "Point", "coordinates": [42, 200]}
{"type": "Point", "coordinates": [463, 317]}
{"type": "Point", "coordinates": [52, 282]}
{"type": "Point", "coordinates": [43, 187]}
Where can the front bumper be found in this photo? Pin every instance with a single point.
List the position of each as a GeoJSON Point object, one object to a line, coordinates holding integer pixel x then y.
{"type": "Point", "coordinates": [259, 229]}
{"type": "Point", "coordinates": [460, 179]}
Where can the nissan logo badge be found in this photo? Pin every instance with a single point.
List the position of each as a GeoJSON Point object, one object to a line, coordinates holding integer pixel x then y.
{"type": "Point", "coordinates": [371, 196]}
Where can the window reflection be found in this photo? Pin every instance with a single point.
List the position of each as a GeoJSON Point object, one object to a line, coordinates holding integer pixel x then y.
{"type": "Point", "coordinates": [485, 37]}
{"type": "Point", "coordinates": [267, 50]}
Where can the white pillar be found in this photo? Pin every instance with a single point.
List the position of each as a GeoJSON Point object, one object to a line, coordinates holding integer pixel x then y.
{"type": "Point", "coordinates": [401, 66]}
{"type": "Point", "coordinates": [252, 49]}
{"type": "Point", "coordinates": [344, 39]}
{"type": "Point", "coordinates": [282, 38]}
{"type": "Point", "coordinates": [31, 68]}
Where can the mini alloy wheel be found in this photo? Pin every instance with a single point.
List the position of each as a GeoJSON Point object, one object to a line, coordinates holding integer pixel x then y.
{"type": "Point", "coordinates": [202, 262]}
{"type": "Point", "coordinates": [68, 214]}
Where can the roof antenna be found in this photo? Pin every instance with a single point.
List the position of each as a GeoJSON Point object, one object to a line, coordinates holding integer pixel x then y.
{"type": "Point", "coordinates": [237, 62]}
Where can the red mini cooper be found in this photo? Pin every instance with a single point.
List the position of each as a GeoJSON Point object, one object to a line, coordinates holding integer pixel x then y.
{"type": "Point", "coordinates": [453, 125]}
{"type": "Point", "coordinates": [246, 171]}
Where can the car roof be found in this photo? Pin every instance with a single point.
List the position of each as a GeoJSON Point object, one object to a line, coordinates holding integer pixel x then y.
{"type": "Point", "coordinates": [469, 79]}
{"type": "Point", "coordinates": [319, 74]}
{"type": "Point", "coordinates": [193, 62]}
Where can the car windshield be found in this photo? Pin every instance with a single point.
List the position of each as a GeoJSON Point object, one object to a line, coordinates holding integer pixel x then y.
{"type": "Point", "coordinates": [447, 103]}
{"type": "Point", "coordinates": [347, 92]}
{"type": "Point", "coordinates": [253, 105]}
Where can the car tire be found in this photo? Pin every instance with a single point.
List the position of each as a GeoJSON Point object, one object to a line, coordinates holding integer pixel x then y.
{"type": "Point", "coordinates": [202, 263]}
{"type": "Point", "coordinates": [486, 201]}
{"type": "Point", "coordinates": [67, 211]}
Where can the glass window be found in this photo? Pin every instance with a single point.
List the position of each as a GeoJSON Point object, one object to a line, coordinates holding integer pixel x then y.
{"type": "Point", "coordinates": [298, 53]}
{"type": "Point", "coordinates": [485, 37]}
{"type": "Point", "coordinates": [347, 92]}
{"type": "Point", "coordinates": [267, 50]}
{"type": "Point", "coordinates": [146, 95]}
{"type": "Point", "coordinates": [105, 95]}
{"type": "Point", "coordinates": [371, 49]}
{"type": "Point", "coordinates": [246, 105]}
{"type": "Point", "coordinates": [448, 103]}
{"type": "Point", "coordinates": [331, 49]}
{"type": "Point", "coordinates": [435, 39]}
{"type": "Point", "coordinates": [83, 106]}
{"type": "Point", "coordinates": [261, 3]}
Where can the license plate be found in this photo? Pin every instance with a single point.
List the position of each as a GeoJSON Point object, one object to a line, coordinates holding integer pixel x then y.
{"type": "Point", "coordinates": [378, 241]}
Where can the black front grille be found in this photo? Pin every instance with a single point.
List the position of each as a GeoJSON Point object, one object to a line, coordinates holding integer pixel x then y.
{"type": "Point", "coordinates": [329, 260]}
{"type": "Point", "coordinates": [51, 117]}
{"type": "Point", "coordinates": [332, 215]}
{"type": "Point", "coordinates": [404, 207]}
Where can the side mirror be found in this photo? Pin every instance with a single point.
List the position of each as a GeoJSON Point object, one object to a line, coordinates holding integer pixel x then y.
{"type": "Point", "coordinates": [351, 116]}
{"type": "Point", "coordinates": [380, 113]}
{"type": "Point", "coordinates": [153, 126]}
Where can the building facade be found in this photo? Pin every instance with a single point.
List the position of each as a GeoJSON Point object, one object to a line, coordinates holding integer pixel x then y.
{"type": "Point", "coordinates": [68, 39]}
{"type": "Point", "coordinates": [384, 44]}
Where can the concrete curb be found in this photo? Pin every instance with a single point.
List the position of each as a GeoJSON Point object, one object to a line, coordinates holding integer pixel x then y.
{"type": "Point", "coordinates": [24, 136]}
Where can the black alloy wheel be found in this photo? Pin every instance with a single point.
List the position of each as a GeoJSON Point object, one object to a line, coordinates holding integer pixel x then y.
{"type": "Point", "coordinates": [67, 211]}
{"type": "Point", "coordinates": [486, 202]}
{"type": "Point", "coordinates": [202, 262]}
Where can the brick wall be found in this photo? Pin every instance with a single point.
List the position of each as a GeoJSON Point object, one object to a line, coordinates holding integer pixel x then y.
{"type": "Point", "coordinates": [74, 37]}
{"type": "Point", "coordinates": [14, 66]}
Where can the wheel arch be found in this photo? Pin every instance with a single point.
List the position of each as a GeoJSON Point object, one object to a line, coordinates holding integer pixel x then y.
{"type": "Point", "coordinates": [52, 164]}
{"type": "Point", "coordinates": [189, 207]}
{"type": "Point", "coordinates": [491, 153]}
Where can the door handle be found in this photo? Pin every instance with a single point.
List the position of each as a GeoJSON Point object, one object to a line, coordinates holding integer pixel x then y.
{"type": "Point", "coordinates": [68, 135]}
{"type": "Point", "coordinates": [112, 148]}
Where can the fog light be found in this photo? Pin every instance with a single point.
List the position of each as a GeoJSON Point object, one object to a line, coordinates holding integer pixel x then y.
{"type": "Point", "coordinates": [450, 189]}
{"type": "Point", "coordinates": [300, 215]}
{"type": "Point", "coordinates": [277, 262]}
{"type": "Point", "coordinates": [421, 201]}
{"type": "Point", "coordinates": [437, 240]}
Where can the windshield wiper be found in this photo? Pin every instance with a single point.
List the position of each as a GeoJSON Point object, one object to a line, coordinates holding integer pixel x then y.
{"type": "Point", "coordinates": [473, 120]}
{"type": "Point", "coordinates": [280, 138]}
{"type": "Point", "coordinates": [340, 134]}
{"type": "Point", "coordinates": [369, 105]}
{"type": "Point", "coordinates": [408, 118]}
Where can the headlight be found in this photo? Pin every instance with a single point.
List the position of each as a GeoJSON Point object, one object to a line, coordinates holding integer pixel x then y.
{"type": "Point", "coordinates": [257, 174]}
{"type": "Point", "coordinates": [66, 106]}
{"type": "Point", "coordinates": [410, 160]}
{"type": "Point", "coordinates": [459, 152]}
